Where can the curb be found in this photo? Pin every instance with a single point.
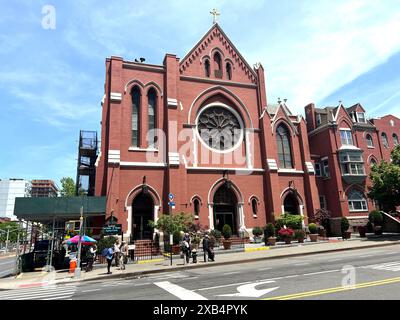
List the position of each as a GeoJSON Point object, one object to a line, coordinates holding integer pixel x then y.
{"type": "Point", "coordinates": [199, 266]}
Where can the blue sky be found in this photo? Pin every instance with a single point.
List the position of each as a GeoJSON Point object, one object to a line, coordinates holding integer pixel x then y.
{"type": "Point", "coordinates": [52, 81]}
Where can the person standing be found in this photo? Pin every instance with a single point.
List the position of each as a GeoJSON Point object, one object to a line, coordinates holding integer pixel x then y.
{"type": "Point", "coordinates": [91, 255]}
{"type": "Point", "coordinates": [123, 255]}
{"type": "Point", "coordinates": [117, 252]}
{"type": "Point", "coordinates": [186, 246]}
{"type": "Point", "coordinates": [207, 248]}
{"type": "Point", "coordinates": [109, 257]}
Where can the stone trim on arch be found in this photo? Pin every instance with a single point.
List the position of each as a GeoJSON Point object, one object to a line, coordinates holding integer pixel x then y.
{"type": "Point", "coordinates": [254, 197]}
{"type": "Point", "coordinates": [218, 184]}
{"type": "Point", "coordinates": [354, 186]}
{"type": "Point", "coordinates": [346, 120]}
{"type": "Point", "coordinates": [194, 198]}
{"type": "Point", "coordinates": [289, 125]}
{"type": "Point", "coordinates": [291, 190]}
{"type": "Point", "coordinates": [131, 83]}
{"type": "Point", "coordinates": [217, 49]}
{"type": "Point", "coordinates": [213, 91]}
{"type": "Point", "coordinates": [137, 190]}
{"type": "Point", "coordinates": [155, 86]}
{"type": "Point", "coordinates": [370, 157]}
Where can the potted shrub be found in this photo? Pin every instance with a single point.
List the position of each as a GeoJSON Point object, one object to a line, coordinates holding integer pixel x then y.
{"type": "Point", "coordinates": [312, 227]}
{"type": "Point", "coordinates": [362, 231]}
{"type": "Point", "coordinates": [257, 232]}
{"type": "Point", "coordinates": [299, 235]}
{"type": "Point", "coordinates": [227, 233]}
{"type": "Point", "coordinates": [269, 235]}
{"type": "Point", "coordinates": [216, 234]}
{"type": "Point", "coordinates": [345, 227]}
{"type": "Point", "coordinates": [286, 234]}
{"type": "Point", "coordinates": [376, 219]}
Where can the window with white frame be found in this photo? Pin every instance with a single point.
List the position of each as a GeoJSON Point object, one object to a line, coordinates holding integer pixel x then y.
{"type": "Point", "coordinates": [322, 202]}
{"type": "Point", "coordinates": [352, 164]}
{"type": "Point", "coordinates": [357, 201]}
{"type": "Point", "coordinates": [318, 172]}
{"type": "Point", "coordinates": [346, 137]}
{"type": "Point", "coordinates": [361, 117]}
{"type": "Point", "coordinates": [325, 167]}
{"type": "Point", "coordinates": [370, 142]}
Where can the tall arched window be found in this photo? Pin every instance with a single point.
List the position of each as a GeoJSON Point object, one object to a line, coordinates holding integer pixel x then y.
{"type": "Point", "coordinates": [207, 68]}
{"type": "Point", "coordinates": [254, 206]}
{"type": "Point", "coordinates": [370, 142]}
{"type": "Point", "coordinates": [218, 65]}
{"type": "Point", "coordinates": [228, 71]}
{"type": "Point", "coordinates": [135, 93]}
{"type": "Point", "coordinates": [152, 109]}
{"type": "Point", "coordinates": [357, 201]}
{"type": "Point", "coordinates": [283, 144]}
{"type": "Point", "coordinates": [196, 207]}
{"type": "Point", "coordinates": [373, 162]}
{"type": "Point", "coordinates": [395, 139]}
{"type": "Point", "coordinates": [385, 140]}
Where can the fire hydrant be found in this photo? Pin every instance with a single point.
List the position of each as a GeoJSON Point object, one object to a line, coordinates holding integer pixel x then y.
{"type": "Point", "coordinates": [72, 265]}
{"type": "Point", "coordinates": [194, 255]}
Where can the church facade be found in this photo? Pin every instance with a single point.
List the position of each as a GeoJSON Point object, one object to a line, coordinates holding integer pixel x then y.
{"type": "Point", "coordinates": [198, 135]}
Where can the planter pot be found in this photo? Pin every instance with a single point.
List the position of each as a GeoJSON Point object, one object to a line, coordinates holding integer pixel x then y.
{"type": "Point", "coordinates": [271, 241]}
{"type": "Point", "coordinates": [257, 239]}
{"type": "Point", "coordinates": [301, 240]}
{"type": "Point", "coordinates": [378, 230]}
{"type": "Point", "coordinates": [288, 240]}
{"type": "Point", "coordinates": [362, 231]}
{"type": "Point", "coordinates": [314, 237]}
{"type": "Point", "coordinates": [176, 249]}
{"type": "Point", "coordinates": [346, 235]}
{"type": "Point", "coordinates": [227, 244]}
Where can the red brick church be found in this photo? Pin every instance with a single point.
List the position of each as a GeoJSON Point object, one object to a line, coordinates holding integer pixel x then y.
{"type": "Point", "coordinates": [198, 135]}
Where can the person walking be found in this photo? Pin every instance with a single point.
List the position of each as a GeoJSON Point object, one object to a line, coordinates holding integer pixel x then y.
{"type": "Point", "coordinates": [207, 248]}
{"type": "Point", "coordinates": [117, 252]}
{"type": "Point", "coordinates": [91, 255]}
{"type": "Point", "coordinates": [186, 247]}
{"type": "Point", "coordinates": [123, 255]}
{"type": "Point", "coordinates": [109, 257]}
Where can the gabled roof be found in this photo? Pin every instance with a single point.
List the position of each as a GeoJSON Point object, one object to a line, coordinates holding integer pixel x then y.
{"type": "Point", "coordinates": [273, 108]}
{"type": "Point", "coordinates": [216, 31]}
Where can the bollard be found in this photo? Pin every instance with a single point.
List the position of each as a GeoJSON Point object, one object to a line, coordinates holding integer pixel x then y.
{"type": "Point", "coordinates": [194, 255]}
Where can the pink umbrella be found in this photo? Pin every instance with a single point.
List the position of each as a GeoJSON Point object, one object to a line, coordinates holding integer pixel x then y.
{"type": "Point", "coordinates": [85, 240]}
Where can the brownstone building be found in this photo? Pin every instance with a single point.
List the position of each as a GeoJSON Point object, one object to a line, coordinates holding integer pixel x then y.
{"type": "Point", "coordinates": [197, 135]}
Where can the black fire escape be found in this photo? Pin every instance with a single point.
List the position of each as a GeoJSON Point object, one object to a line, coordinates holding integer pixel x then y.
{"type": "Point", "coordinates": [87, 155]}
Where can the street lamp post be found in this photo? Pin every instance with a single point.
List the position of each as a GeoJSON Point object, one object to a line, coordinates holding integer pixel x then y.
{"type": "Point", "coordinates": [78, 266]}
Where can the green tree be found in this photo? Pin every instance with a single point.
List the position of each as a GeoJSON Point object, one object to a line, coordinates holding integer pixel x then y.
{"type": "Point", "coordinates": [169, 223]}
{"type": "Point", "coordinates": [13, 227]}
{"type": "Point", "coordinates": [385, 179]}
{"type": "Point", "coordinates": [67, 187]}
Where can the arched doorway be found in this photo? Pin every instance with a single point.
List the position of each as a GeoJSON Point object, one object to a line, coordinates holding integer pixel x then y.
{"type": "Point", "coordinates": [291, 204]}
{"type": "Point", "coordinates": [142, 212]}
{"type": "Point", "coordinates": [225, 208]}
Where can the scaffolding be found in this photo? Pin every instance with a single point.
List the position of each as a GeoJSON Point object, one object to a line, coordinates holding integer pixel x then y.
{"type": "Point", "coordinates": [86, 169]}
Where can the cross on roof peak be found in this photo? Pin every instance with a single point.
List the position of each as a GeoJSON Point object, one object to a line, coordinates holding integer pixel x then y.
{"type": "Point", "coordinates": [215, 15]}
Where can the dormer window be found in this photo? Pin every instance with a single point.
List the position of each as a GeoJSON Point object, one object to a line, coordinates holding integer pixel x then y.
{"type": "Point", "coordinates": [361, 117]}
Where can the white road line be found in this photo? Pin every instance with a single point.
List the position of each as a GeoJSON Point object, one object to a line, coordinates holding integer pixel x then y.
{"type": "Point", "coordinates": [59, 298]}
{"type": "Point", "coordinates": [92, 290]}
{"type": "Point", "coordinates": [229, 273]}
{"type": "Point", "coordinates": [179, 291]}
{"type": "Point", "coordinates": [365, 256]}
{"type": "Point", "coordinates": [333, 260]}
{"type": "Point", "coordinates": [16, 292]}
{"type": "Point", "coordinates": [322, 272]}
{"type": "Point", "coordinates": [37, 296]}
{"type": "Point", "coordinates": [223, 286]}
{"type": "Point", "coordinates": [302, 264]}
{"type": "Point", "coordinates": [142, 284]}
{"type": "Point", "coordinates": [264, 269]}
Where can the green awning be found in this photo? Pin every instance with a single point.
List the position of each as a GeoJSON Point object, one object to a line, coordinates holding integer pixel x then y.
{"type": "Point", "coordinates": [45, 209]}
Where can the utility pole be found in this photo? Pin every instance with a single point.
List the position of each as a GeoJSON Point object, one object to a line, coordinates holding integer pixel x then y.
{"type": "Point", "coordinates": [78, 266]}
{"type": "Point", "coordinates": [8, 234]}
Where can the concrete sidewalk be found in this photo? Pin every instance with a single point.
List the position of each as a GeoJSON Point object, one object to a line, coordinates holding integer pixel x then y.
{"type": "Point", "coordinates": [253, 253]}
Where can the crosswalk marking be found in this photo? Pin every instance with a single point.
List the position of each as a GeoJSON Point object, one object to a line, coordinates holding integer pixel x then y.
{"type": "Point", "coordinates": [39, 293]}
{"type": "Point", "coordinates": [390, 266]}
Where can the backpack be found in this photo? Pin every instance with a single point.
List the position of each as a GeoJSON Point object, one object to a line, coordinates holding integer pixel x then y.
{"type": "Point", "coordinates": [104, 253]}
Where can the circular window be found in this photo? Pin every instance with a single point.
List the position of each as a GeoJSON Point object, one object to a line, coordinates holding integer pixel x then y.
{"type": "Point", "coordinates": [219, 128]}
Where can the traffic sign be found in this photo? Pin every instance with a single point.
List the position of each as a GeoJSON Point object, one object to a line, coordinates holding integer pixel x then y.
{"type": "Point", "coordinates": [112, 229]}
{"type": "Point", "coordinates": [171, 196]}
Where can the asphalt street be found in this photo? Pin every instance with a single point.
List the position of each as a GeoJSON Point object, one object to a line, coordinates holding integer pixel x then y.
{"type": "Point", "coordinates": [357, 274]}
{"type": "Point", "coordinates": [7, 266]}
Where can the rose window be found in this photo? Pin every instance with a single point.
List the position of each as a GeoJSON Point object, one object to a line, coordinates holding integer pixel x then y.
{"type": "Point", "coordinates": [219, 128]}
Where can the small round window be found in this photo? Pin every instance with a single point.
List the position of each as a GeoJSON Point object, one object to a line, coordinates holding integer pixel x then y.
{"type": "Point", "coordinates": [219, 128]}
